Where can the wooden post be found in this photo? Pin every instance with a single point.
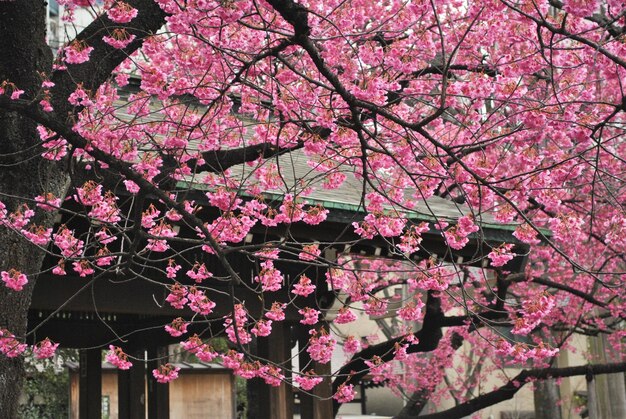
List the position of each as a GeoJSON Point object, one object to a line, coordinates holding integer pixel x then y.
{"type": "Point", "coordinates": [90, 384]}
{"type": "Point", "coordinates": [276, 349]}
{"type": "Point", "coordinates": [319, 405]}
{"type": "Point", "coordinates": [158, 394]}
{"type": "Point", "coordinates": [131, 388]}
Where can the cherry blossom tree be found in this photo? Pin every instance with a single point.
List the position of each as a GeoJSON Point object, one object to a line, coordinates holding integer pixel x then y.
{"type": "Point", "coordinates": [511, 111]}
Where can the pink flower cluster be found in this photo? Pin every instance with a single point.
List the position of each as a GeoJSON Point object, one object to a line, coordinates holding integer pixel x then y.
{"type": "Point", "coordinates": [321, 346]}
{"type": "Point", "coordinates": [177, 327]}
{"type": "Point", "coordinates": [304, 286]}
{"type": "Point", "coordinates": [116, 356]}
{"type": "Point", "coordinates": [345, 393]}
{"type": "Point", "coordinates": [237, 333]}
{"type": "Point", "coordinates": [270, 278]}
{"type": "Point", "coordinates": [13, 279]}
{"type": "Point", "coordinates": [501, 255]}
{"type": "Point", "coordinates": [308, 380]}
{"type": "Point", "coordinates": [45, 349]}
{"type": "Point", "coordinates": [9, 345]}
{"type": "Point", "coordinates": [534, 310]}
{"type": "Point", "coordinates": [199, 302]}
{"type": "Point", "coordinates": [121, 12]}
{"type": "Point", "coordinates": [77, 52]}
{"type": "Point", "coordinates": [457, 236]}
{"type": "Point", "coordinates": [309, 252]}
{"type": "Point", "coordinates": [276, 312]}
{"type": "Point", "coordinates": [521, 352]}
{"type": "Point", "coordinates": [345, 315]}
{"type": "Point", "coordinates": [177, 296]}
{"type": "Point", "coordinates": [262, 328]}
{"type": "Point", "coordinates": [309, 315]}
{"type": "Point", "coordinates": [199, 272]}
{"type": "Point", "coordinates": [204, 352]}
{"type": "Point", "coordinates": [165, 373]}
{"type": "Point", "coordinates": [119, 39]}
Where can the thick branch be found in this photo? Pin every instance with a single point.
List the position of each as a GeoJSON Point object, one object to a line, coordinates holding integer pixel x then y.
{"type": "Point", "coordinates": [104, 58]}
{"type": "Point", "coordinates": [429, 336]}
{"type": "Point", "coordinates": [220, 160]}
{"type": "Point", "coordinates": [508, 390]}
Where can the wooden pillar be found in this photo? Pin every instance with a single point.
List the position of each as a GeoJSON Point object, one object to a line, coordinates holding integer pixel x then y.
{"type": "Point", "coordinates": [318, 405]}
{"type": "Point", "coordinates": [276, 349]}
{"type": "Point", "coordinates": [131, 388]}
{"type": "Point", "coordinates": [90, 384]}
{"type": "Point", "coordinates": [158, 394]}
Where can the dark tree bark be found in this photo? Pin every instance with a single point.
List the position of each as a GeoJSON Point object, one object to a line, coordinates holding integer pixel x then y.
{"type": "Point", "coordinates": [25, 59]}
{"type": "Point", "coordinates": [23, 52]}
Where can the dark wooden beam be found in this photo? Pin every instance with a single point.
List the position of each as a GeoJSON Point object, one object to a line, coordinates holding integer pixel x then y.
{"type": "Point", "coordinates": [318, 404]}
{"type": "Point", "coordinates": [131, 388]}
{"type": "Point", "coordinates": [158, 393]}
{"type": "Point", "coordinates": [278, 401]}
{"type": "Point", "coordinates": [90, 384]}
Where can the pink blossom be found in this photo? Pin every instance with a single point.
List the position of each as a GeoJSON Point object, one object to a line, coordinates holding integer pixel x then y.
{"type": "Point", "coordinates": [276, 312]}
{"type": "Point", "coordinates": [375, 307]}
{"type": "Point", "coordinates": [38, 235]}
{"type": "Point", "coordinates": [177, 327]}
{"type": "Point", "coordinates": [46, 106]}
{"type": "Point", "coordinates": [271, 375]}
{"type": "Point", "coordinates": [232, 359]}
{"type": "Point", "coordinates": [131, 186]}
{"type": "Point", "coordinates": [351, 345]}
{"type": "Point", "coordinates": [345, 393]}
{"type": "Point", "coordinates": [412, 238]}
{"type": "Point", "coordinates": [165, 373]}
{"type": "Point", "coordinates": [307, 381]}
{"type": "Point", "coordinates": [16, 94]}
{"type": "Point", "coordinates": [500, 255]}
{"type": "Point", "coordinates": [59, 269]}
{"type": "Point", "coordinates": [77, 52]}
{"type": "Point", "coordinates": [115, 356]}
{"type": "Point", "coordinates": [262, 328]}
{"type": "Point", "coordinates": [206, 353]}
{"type": "Point", "coordinates": [309, 252]}
{"type": "Point", "coordinates": [119, 39]}
{"type": "Point", "coordinates": [411, 311]}
{"type": "Point", "coordinates": [177, 296]}
{"type": "Point", "coordinates": [83, 268]}
{"type": "Point", "coordinates": [121, 12]}
{"type": "Point", "coordinates": [9, 345]}
{"type": "Point", "coordinates": [14, 279]}
{"type": "Point", "coordinates": [19, 218]}
{"type": "Point", "coordinates": [304, 286]}
{"type": "Point", "coordinates": [236, 332]}
{"type": "Point", "coordinates": [199, 272]}
{"type": "Point", "coordinates": [310, 315]}
{"type": "Point", "coordinates": [344, 316]}
{"type": "Point", "coordinates": [48, 202]}
{"type": "Point", "coordinates": [172, 269]}
{"type": "Point", "coordinates": [321, 346]}
{"type": "Point", "coordinates": [270, 278]}
{"type": "Point", "coordinates": [199, 302]}
{"type": "Point", "coordinates": [457, 236]}
{"type": "Point", "coordinates": [193, 344]}
{"type": "Point", "coordinates": [45, 349]}
{"type": "Point", "coordinates": [104, 257]}
{"type": "Point", "coordinates": [315, 215]}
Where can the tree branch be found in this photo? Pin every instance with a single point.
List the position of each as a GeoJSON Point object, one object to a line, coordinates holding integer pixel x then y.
{"type": "Point", "coordinates": [429, 336]}
{"type": "Point", "coordinates": [508, 390]}
{"type": "Point", "coordinates": [104, 58]}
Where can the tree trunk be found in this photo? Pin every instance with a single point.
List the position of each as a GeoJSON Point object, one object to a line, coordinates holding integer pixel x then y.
{"type": "Point", "coordinates": [547, 400]}
{"type": "Point", "coordinates": [24, 55]}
